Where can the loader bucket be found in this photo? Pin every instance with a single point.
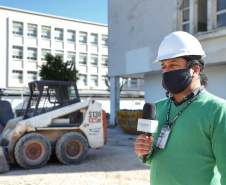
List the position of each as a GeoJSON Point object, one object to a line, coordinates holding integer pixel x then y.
{"type": "Point", "coordinates": [3, 162]}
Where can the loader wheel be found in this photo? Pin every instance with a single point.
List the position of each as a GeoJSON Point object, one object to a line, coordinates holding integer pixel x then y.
{"type": "Point", "coordinates": [71, 148]}
{"type": "Point", "coordinates": [32, 151]}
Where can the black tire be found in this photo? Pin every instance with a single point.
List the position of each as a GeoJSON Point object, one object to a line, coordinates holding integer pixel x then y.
{"type": "Point", "coordinates": [71, 148]}
{"type": "Point", "coordinates": [32, 151]}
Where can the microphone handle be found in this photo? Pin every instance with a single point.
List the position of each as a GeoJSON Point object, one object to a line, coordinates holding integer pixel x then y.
{"type": "Point", "coordinates": [145, 156]}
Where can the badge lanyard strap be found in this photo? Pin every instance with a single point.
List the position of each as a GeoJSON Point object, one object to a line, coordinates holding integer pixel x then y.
{"type": "Point", "coordinates": [168, 112]}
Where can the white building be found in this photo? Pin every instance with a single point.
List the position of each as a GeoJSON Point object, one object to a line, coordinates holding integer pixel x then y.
{"type": "Point", "coordinates": [140, 26]}
{"type": "Point", "coordinates": [26, 37]}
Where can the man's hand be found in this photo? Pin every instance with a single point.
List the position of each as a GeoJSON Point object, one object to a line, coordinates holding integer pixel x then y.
{"type": "Point", "coordinates": [143, 145]}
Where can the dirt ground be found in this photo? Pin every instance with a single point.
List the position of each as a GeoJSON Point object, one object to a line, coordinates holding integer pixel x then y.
{"type": "Point", "coordinates": [114, 164]}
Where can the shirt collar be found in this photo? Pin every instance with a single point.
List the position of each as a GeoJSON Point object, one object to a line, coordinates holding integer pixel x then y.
{"type": "Point", "coordinates": [188, 96]}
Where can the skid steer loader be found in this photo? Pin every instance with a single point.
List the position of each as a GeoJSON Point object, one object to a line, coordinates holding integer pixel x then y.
{"type": "Point", "coordinates": [55, 120]}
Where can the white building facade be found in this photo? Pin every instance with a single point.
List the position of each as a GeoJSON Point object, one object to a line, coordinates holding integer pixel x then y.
{"type": "Point", "coordinates": [140, 26]}
{"type": "Point", "coordinates": [26, 37]}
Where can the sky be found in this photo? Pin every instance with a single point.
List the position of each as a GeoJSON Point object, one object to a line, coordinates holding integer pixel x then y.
{"type": "Point", "coordinates": [86, 10]}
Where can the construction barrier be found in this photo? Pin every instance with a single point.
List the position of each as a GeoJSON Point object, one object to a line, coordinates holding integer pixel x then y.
{"type": "Point", "coordinates": [127, 120]}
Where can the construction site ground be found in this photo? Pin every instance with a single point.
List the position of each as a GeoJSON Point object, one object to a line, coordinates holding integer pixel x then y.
{"type": "Point", "coordinates": [114, 164]}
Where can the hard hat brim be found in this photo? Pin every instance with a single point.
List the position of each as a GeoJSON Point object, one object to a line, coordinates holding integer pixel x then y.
{"type": "Point", "coordinates": [160, 59]}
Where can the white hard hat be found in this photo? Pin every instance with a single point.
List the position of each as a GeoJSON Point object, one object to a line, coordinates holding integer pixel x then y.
{"type": "Point", "coordinates": [179, 44]}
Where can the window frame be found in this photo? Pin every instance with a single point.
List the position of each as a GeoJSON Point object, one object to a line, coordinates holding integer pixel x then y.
{"type": "Point", "coordinates": [73, 32]}
{"type": "Point", "coordinates": [83, 80]}
{"type": "Point", "coordinates": [95, 40]}
{"type": "Point", "coordinates": [60, 32]}
{"type": "Point", "coordinates": [35, 30]}
{"type": "Point", "coordinates": [32, 72]}
{"type": "Point", "coordinates": [96, 61]}
{"type": "Point", "coordinates": [95, 78]}
{"type": "Point", "coordinates": [35, 54]}
{"type": "Point", "coordinates": [220, 12]}
{"type": "Point", "coordinates": [83, 35]}
{"type": "Point", "coordinates": [20, 51]}
{"type": "Point", "coordinates": [104, 64]}
{"type": "Point", "coordinates": [85, 56]}
{"type": "Point", "coordinates": [19, 25]}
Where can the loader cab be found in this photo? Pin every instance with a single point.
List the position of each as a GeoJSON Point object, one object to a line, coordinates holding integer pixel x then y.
{"type": "Point", "coordinates": [49, 95]}
{"type": "Point", "coordinates": [6, 112]}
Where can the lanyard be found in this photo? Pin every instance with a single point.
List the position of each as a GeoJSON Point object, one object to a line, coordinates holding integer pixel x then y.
{"type": "Point", "coordinates": [168, 112]}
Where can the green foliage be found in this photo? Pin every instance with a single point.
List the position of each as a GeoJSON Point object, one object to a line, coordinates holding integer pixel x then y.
{"type": "Point", "coordinates": [56, 69]}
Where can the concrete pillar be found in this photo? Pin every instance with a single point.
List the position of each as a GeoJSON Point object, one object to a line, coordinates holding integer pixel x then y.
{"type": "Point", "coordinates": [114, 98]}
{"type": "Point", "coordinates": [211, 15]}
{"type": "Point", "coordinates": [193, 13]}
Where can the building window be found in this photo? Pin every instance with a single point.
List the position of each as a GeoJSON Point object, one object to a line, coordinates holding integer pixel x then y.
{"type": "Point", "coordinates": [32, 30]}
{"type": "Point", "coordinates": [94, 39]}
{"type": "Point", "coordinates": [104, 60]}
{"type": "Point", "coordinates": [71, 57]}
{"type": "Point", "coordinates": [32, 53]}
{"type": "Point", "coordinates": [70, 36]}
{"type": "Point", "coordinates": [59, 34]}
{"type": "Point", "coordinates": [83, 58]}
{"type": "Point", "coordinates": [59, 53]}
{"type": "Point", "coordinates": [18, 52]}
{"type": "Point", "coordinates": [93, 80]}
{"type": "Point", "coordinates": [32, 75]}
{"type": "Point", "coordinates": [44, 53]}
{"type": "Point", "coordinates": [94, 60]}
{"type": "Point", "coordinates": [133, 83]}
{"type": "Point", "coordinates": [17, 28]}
{"type": "Point", "coordinates": [185, 16]}
{"type": "Point", "coordinates": [46, 32]}
{"type": "Point", "coordinates": [221, 13]}
{"type": "Point", "coordinates": [17, 75]}
{"type": "Point", "coordinates": [202, 15]}
{"type": "Point", "coordinates": [83, 37]}
{"type": "Point", "coordinates": [83, 79]}
{"type": "Point", "coordinates": [104, 40]}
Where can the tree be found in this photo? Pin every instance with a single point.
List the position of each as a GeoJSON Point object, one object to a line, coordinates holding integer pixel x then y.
{"type": "Point", "coordinates": [56, 69]}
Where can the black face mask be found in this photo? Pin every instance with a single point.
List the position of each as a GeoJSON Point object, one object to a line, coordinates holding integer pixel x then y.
{"type": "Point", "coordinates": [176, 81]}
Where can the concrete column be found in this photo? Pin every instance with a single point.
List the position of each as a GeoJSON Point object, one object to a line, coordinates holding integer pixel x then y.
{"type": "Point", "coordinates": [193, 13]}
{"type": "Point", "coordinates": [211, 14]}
{"type": "Point", "coordinates": [52, 37]}
{"type": "Point", "coordinates": [77, 48]}
{"type": "Point", "coordinates": [114, 98]}
{"type": "Point", "coordinates": [25, 51]}
{"type": "Point", "coordinates": [64, 45]}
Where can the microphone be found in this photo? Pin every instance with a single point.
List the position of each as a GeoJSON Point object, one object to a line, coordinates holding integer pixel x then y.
{"type": "Point", "coordinates": [147, 124]}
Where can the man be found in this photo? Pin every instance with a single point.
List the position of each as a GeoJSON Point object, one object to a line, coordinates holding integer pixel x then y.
{"type": "Point", "coordinates": [189, 148]}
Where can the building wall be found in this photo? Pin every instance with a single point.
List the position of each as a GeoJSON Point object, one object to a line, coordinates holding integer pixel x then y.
{"type": "Point", "coordinates": [216, 84]}
{"type": "Point", "coordinates": [23, 65]}
{"type": "Point", "coordinates": [135, 32]}
{"type": "Point", "coordinates": [142, 26]}
{"type": "Point", "coordinates": [95, 74]}
{"type": "Point", "coordinates": [217, 76]}
{"type": "Point", "coordinates": [8, 40]}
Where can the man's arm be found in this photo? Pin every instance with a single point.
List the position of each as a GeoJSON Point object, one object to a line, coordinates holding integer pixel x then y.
{"type": "Point", "coordinates": [144, 146]}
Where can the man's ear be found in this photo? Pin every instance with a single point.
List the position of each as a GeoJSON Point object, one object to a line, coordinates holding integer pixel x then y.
{"type": "Point", "coordinates": [195, 71]}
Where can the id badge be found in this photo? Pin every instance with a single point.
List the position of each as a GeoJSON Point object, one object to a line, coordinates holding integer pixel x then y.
{"type": "Point", "coordinates": [163, 137]}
